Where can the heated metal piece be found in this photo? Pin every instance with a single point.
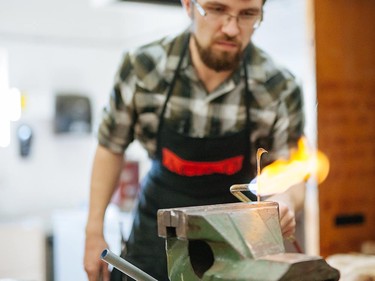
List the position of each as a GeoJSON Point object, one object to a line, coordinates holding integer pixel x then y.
{"type": "Point", "coordinates": [125, 266]}
{"type": "Point", "coordinates": [238, 241]}
{"type": "Point", "coordinates": [237, 189]}
{"type": "Point", "coordinates": [260, 151]}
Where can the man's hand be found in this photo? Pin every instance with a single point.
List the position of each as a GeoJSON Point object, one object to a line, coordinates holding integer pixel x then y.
{"type": "Point", "coordinates": [290, 202]}
{"type": "Point", "coordinates": [287, 220]}
{"type": "Point", "coordinates": [96, 269]}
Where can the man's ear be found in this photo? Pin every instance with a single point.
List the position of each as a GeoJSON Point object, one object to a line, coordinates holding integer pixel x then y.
{"type": "Point", "coordinates": [188, 7]}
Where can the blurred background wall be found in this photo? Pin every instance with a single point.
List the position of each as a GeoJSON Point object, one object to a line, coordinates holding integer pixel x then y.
{"type": "Point", "coordinates": [71, 47]}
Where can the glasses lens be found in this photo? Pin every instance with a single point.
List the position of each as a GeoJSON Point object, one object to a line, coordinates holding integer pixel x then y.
{"type": "Point", "coordinates": [249, 21]}
{"type": "Point", "coordinates": [215, 16]}
{"type": "Point", "coordinates": [256, 23]}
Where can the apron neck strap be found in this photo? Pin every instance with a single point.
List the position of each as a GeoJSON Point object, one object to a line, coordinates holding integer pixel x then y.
{"type": "Point", "coordinates": [173, 82]}
{"type": "Point", "coordinates": [248, 93]}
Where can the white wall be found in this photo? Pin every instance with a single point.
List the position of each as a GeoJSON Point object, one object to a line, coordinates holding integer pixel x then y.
{"type": "Point", "coordinates": [63, 46]}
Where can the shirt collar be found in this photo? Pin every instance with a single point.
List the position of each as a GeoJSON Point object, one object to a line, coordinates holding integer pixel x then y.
{"type": "Point", "coordinates": [255, 65]}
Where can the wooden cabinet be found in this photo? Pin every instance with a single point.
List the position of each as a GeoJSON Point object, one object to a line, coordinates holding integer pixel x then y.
{"type": "Point", "coordinates": [345, 76]}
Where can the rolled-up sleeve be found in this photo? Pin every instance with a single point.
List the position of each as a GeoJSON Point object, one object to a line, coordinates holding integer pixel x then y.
{"type": "Point", "coordinates": [290, 121]}
{"type": "Point", "coordinates": [116, 128]}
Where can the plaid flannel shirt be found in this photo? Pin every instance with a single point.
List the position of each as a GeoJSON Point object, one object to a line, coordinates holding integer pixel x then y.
{"type": "Point", "coordinates": [142, 83]}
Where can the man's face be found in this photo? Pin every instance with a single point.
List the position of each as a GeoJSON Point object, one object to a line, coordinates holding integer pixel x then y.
{"type": "Point", "coordinates": [221, 42]}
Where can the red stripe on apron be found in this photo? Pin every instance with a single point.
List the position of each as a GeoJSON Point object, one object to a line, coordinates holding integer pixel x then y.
{"type": "Point", "coordinates": [183, 167]}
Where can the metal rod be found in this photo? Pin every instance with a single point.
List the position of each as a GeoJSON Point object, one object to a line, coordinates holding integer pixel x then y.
{"type": "Point", "coordinates": [292, 239]}
{"type": "Point", "coordinates": [125, 266]}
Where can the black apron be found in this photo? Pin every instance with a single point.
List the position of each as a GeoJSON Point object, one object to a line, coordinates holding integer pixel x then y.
{"type": "Point", "coordinates": [187, 171]}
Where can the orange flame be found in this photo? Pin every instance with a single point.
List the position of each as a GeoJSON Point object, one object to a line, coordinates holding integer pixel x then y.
{"type": "Point", "coordinates": [302, 164]}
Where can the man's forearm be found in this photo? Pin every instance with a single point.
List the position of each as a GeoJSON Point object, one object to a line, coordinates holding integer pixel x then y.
{"type": "Point", "coordinates": [105, 175]}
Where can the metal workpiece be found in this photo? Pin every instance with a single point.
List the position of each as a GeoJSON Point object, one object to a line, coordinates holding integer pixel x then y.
{"type": "Point", "coordinates": [237, 191]}
{"type": "Point", "coordinates": [125, 266]}
{"type": "Point", "coordinates": [237, 241]}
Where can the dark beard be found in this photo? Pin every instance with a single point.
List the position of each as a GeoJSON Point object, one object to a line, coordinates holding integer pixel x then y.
{"type": "Point", "coordinates": [223, 62]}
